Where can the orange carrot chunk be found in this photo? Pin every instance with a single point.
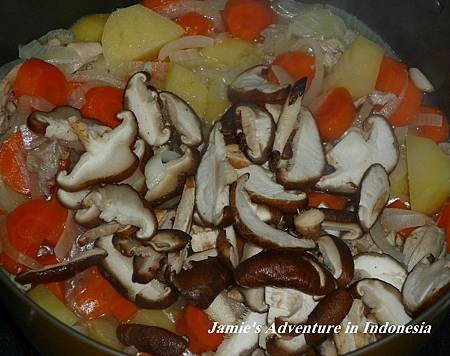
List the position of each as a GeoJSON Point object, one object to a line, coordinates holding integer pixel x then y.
{"type": "Point", "coordinates": [338, 202]}
{"type": "Point", "coordinates": [39, 79]}
{"type": "Point", "coordinates": [334, 113]}
{"type": "Point", "coordinates": [246, 19]}
{"type": "Point", "coordinates": [297, 64]}
{"type": "Point", "coordinates": [195, 24]}
{"type": "Point", "coordinates": [158, 5]}
{"type": "Point", "coordinates": [435, 133]}
{"type": "Point", "coordinates": [103, 104]}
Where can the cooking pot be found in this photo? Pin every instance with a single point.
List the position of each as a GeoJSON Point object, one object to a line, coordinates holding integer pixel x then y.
{"type": "Point", "coordinates": [418, 31]}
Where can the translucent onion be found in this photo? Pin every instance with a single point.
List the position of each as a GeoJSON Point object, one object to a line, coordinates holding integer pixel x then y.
{"type": "Point", "coordinates": [317, 83]}
{"type": "Point", "coordinates": [420, 80]}
{"type": "Point", "coordinates": [9, 198]}
{"type": "Point", "coordinates": [282, 76]}
{"type": "Point", "coordinates": [399, 219]}
{"type": "Point", "coordinates": [69, 235]}
{"type": "Point", "coordinates": [379, 237]}
{"type": "Point", "coordinates": [427, 119]}
{"type": "Point", "coordinates": [184, 43]}
{"type": "Point", "coordinates": [185, 55]}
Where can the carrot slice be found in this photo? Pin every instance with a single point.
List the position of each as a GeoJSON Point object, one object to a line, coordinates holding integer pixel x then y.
{"type": "Point", "coordinates": [103, 104]}
{"type": "Point", "coordinates": [43, 80]}
{"type": "Point", "coordinates": [195, 24]}
{"type": "Point", "coordinates": [338, 202]}
{"type": "Point", "coordinates": [158, 4]}
{"type": "Point", "coordinates": [334, 113]}
{"type": "Point", "coordinates": [246, 19]}
{"type": "Point", "coordinates": [13, 159]}
{"type": "Point", "coordinates": [393, 77]}
{"type": "Point", "coordinates": [297, 64]}
{"type": "Point", "coordinates": [194, 323]}
{"type": "Point", "coordinates": [435, 133]}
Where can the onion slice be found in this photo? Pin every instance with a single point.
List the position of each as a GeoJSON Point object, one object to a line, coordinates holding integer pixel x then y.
{"type": "Point", "coordinates": [67, 238]}
{"type": "Point", "coordinates": [426, 119]}
{"type": "Point", "coordinates": [283, 77]}
{"type": "Point", "coordinates": [184, 43]}
{"type": "Point", "coordinates": [379, 237]}
{"type": "Point", "coordinates": [399, 219]}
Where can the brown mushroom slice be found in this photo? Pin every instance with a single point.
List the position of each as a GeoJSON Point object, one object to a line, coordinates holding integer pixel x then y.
{"type": "Point", "coordinates": [374, 195]}
{"type": "Point", "coordinates": [337, 258]}
{"type": "Point", "coordinates": [88, 216]}
{"type": "Point", "coordinates": [125, 241]}
{"type": "Point", "coordinates": [214, 175]}
{"type": "Point", "coordinates": [152, 339]}
{"type": "Point", "coordinates": [354, 154]}
{"type": "Point", "coordinates": [108, 158]}
{"type": "Point", "coordinates": [199, 256]}
{"type": "Point", "coordinates": [286, 345]}
{"type": "Point", "coordinates": [253, 86]}
{"type": "Point", "coordinates": [185, 209]}
{"type": "Point", "coordinates": [203, 238]}
{"type": "Point", "coordinates": [284, 269]}
{"type": "Point", "coordinates": [236, 158]}
{"type": "Point", "coordinates": [263, 190]}
{"type": "Point", "coordinates": [308, 223]}
{"type": "Point", "coordinates": [95, 233]}
{"type": "Point", "coordinates": [64, 270]}
{"type": "Point", "coordinates": [146, 268]}
{"type": "Point", "coordinates": [122, 204]}
{"type": "Point", "coordinates": [56, 124]}
{"type": "Point", "coordinates": [166, 174]}
{"type": "Point", "coordinates": [288, 305]}
{"type": "Point", "coordinates": [379, 266]}
{"type": "Point", "coordinates": [202, 282]}
{"type": "Point", "coordinates": [243, 343]}
{"type": "Point", "coordinates": [227, 248]}
{"type": "Point", "coordinates": [422, 242]}
{"type": "Point", "coordinates": [71, 200]}
{"type": "Point", "coordinates": [156, 295]}
{"type": "Point", "coordinates": [346, 342]}
{"type": "Point", "coordinates": [256, 231]}
{"type": "Point", "coordinates": [256, 130]}
{"type": "Point", "coordinates": [308, 161]}
{"type": "Point", "coordinates": [225, 310]}
{"type": "Point", "coordinates": [425, 284]}
{"type": "Point", "coordinates": [275, 110]}
{"type": "Point", "coordinates": [342, 223]}
{"type": "Point", "coordinates": [383, 300]}
{"type": "Point", "coordinates": [143, 100]}
{"type": "Point", "coordinates": [331, 310]}
{"type": "Point", "coordinates": [169, 240]}
{"type": "Point", "coordinates": [137, 179]}
{"type": "Point", "coordinates": [288, 120]}
{"type": "Point", "coordinates": [183, 118]}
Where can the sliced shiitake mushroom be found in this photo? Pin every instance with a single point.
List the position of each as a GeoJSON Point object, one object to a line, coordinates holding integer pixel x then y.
{"type": "Point", "coordinates": [285, 269]}
{"type": "Point", "coordinates": [152, 339]}
{"type": "Point", "coordinates": [97, 232]}
{"type": "Point", "coordinates": [286, 345]}
{"type": "Point", "coordinates": [227, 248]}
{"type": "Point", "coordinates": [71, 200]}
{"type": "Point", "coordinates": [253, 86]}
{"type": "Point", "coordinates": [342, 223]}
{"type": "Point", "coordinates": [256, 231]}
{"type": "Point", "coordinates": [108, 158]}
{"type": "Point", "coordinates": [64, 270]}
{"type": "Point", "coordinates": [143, 100]}
{"type": "Point", "coordinates": [169, 240]}
{"type": "Point", "coordinates": [308, 223]}
{"type": "Point", "coordinates": [146, 268]}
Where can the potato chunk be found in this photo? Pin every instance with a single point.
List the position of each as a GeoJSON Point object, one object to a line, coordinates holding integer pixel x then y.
{"type": "Point", "coordinates": [137, 33]}
{"type": "Point", "coordinates": [89, 28]}
{"type": "Point", "coordinates": [357, 69]}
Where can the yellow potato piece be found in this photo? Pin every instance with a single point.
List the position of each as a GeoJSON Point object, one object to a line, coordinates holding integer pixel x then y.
{"type": "Point", "coordinates": [357, 69]}
{"type": "Point", "coordinates": [188, 86]}
{"type": "Point", "coordinates": [43, 297]}
{"type": "Point", "coordinates": [227, 51]}
{"type": "Point", "coordinates": [89, 28]}
{"type": "Point", "coordinates": [137, 33]}
{"type": "Point", "coordinates": [399, 177]}
{"type": "Point", "coordinates": [216, 105]}
{"type": "Point", "coordinates": [429, 174]}
{"type": "Point", "coordinates": [103, 330]}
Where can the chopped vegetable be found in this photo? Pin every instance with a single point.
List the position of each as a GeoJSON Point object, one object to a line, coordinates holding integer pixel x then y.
{"type": "Point", "coordinates": [165, 318]}
{"type": "Point", "coordinates": [195, 24]}
{"type": "Point", "coordinates": [399, 177]}
{"type": "Point", "coordinates": [103, 330]}
{"type": "Point", "coordinates": [137, 33]}
{"type": "Point", "coordinates": [408, 107]}
{"type": "Point", "coordinates": [57, 288]}
{"type": "Point", "coordinates": [158, 4]}
{"type": "Point", "coordinates": [245, 19]}
{"type": "Point", "coordinates": [37, 78]}
{"type": "Point", "coordinates": [357, 69]}
{"type": "Point", "coordinates": [13, 159]}
{"type": "Point", "coordinates": [297, 64]}
{"type": "Point", "coordinates": [316, 199]}
{"type": "Point", "coordinates": [95, 297]}
{"type": "Point", "coordinates": [194, 324]}
{"type": "Point", "coordinates": [429, 174]}
{"type": "Point", "coordinates": [103, 104]}
{"type": "Point", "coordinates": [189, 86]}
{"type": "Point", "coordinates": [228, 51]}
{"type": "Point", "coordinates": [334, 113]}
{"type": "Point", "coordinates": [89, 28]}
{"type": "Point", "coordinates": [398, 204]}
{"type": "Point", "coordinates": [42, 296]}
{"type": "Point", "coordinates": [444, 221]}
{"type": "Point", "coordinates": [392, 77]}
{"type": "Point", "coordinates": [436, 133]}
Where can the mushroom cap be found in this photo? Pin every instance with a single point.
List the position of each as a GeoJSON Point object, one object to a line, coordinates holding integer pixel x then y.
{"type": "Point", "coordinates": [285, 269]}
{"type": "Point", "coordinates": [425, 284]}
{"type": "Point", "coordinates": [379, 266]}
{"type": "Point", "coordinates": [384, 301]}
{"type": "Point", "coordinates": [252, 85]}
{"type": "Point", "coordinates": [108, 158]}
{"type": "Point", "coordinates": [354, 154]}
{"type": "Point", "coordinates": [374, 194]}
{"type": "Point", "coordinates": [253, 229]}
